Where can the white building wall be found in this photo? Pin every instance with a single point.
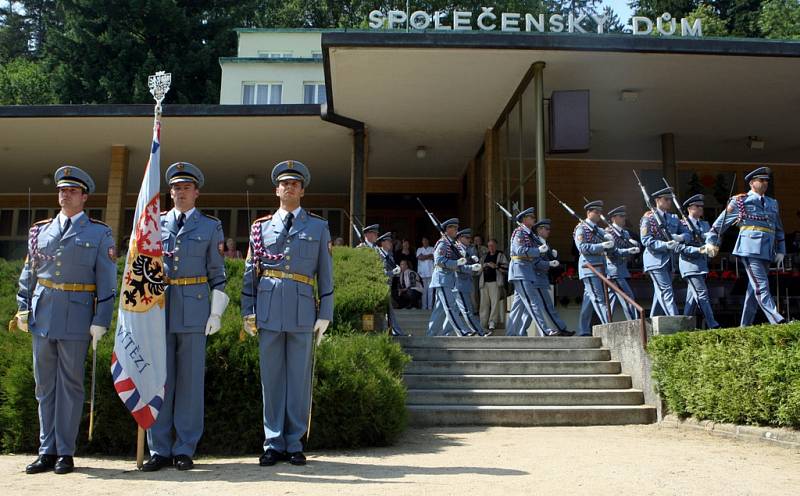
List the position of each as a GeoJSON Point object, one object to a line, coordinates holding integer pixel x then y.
{"type": "Point", "coordinates": [291, 74]}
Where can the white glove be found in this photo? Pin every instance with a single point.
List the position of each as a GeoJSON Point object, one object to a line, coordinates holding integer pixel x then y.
{"type": "Point", "coordinates": [462, 261]}
{"type": "Point", "coordinates": [22, 320]}
{"type": "Point", "coordinates": [249, 324]}
{"type": "Point", "coordinates": [779, 260]}
{"type": "Point", "coordinates": [554, 263]}
{"type": "Point", "coordinates": [543, 248]}
{"type": "Point", "coordinates": [555, 253]}
{"type": "Point", "coordinates": [631, 251]}
{"type": "Point", "coordinates": [671, 245]}
{"type": "Point", "coordinates": [633, 242]}
{"type": "Point", "coordinates": [607, 244]}
{"type": "Point", "coordinates": [320, 326]}
{"type": "Point", "coordinates": [677, 237]}
{"type": "Point", "coordinates": [396, 270]}
{"type": "Point", "coordinates": [475, 259]}
{"type": "Point", "coordinates": [476, 267]}
{"type": "Point", "coordinates": [219, 302]}
{"type": "Point", "coordinates": [608, 237]}
{"type": "Point", "coordinates": [97, 332]}
{"type": "Point", "coordinates": [710, 250]}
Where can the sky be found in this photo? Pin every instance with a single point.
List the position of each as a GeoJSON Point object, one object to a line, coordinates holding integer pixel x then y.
{"type": "Point", "coordinates": [621, 8]}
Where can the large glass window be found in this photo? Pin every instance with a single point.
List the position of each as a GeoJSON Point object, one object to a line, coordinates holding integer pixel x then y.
{"type": "Point", "coordinates": [314, 92]}
{"type": "Point", "coordinates": [262, 93]}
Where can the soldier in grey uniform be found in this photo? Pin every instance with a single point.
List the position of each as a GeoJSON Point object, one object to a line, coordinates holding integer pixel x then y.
{"type": "Point", "coordinates": [761, 241]}
{"type": "Point", "coordinates": [593, 244]}
{"type": "Point", "coordinates": [447, 258]}
{"type": "Point", "coordinates": [66, 297]}
{"type": "Point", "coordinates": [464, 286]}
{"type": "Point", "coordinates": [693, 261]}
{"type": "Point", "coordinates": [527, 252]}
{"type": "Point", "coordinates": [625, 247]}
{"type": "Point", "coordinates": [194, 266]}
{"type": "Point", "coordinates": [391, 270]}
{"type": "Point", "coordinates": [541, 285]}
{"type": "Point", "coordinates": [660, 247]}
{"type": "Point", "coordinates": [370, 237]}
{"type": "Point", "coordinates": [288, 252]}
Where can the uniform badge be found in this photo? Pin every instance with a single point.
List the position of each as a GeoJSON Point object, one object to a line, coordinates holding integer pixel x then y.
{"type": "Point", "coordinates": [67, 171]}
{"type": "Point", "coordinates": [112, 253]}
{"type": "Point", "coordinates": [179, 167]}
{"type": "Point", "coordinates": [221, 248]}
{"type": "Point", "coordinates": [643, 231]}
{"type": "Point", "coordinates": [289, 164]}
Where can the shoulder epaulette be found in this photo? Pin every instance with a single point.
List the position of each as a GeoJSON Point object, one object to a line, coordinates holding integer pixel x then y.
{"type": "Point", "coordinates": [165, 212]}
{"type": "Point", "coordinates": [649, 213]}
{"type": "Point", "coordinates": [97, 221]}
{"type": "Point", "coordinates": [265, 218]}
{"type": "Point", "coordinates": [45, 221]}
{"type": "Point", "coordinates": [210, 217]}
{"type": "Point", "coordinates": [740, 194]}
{"type": "Point", "coordinates": [316, 216]}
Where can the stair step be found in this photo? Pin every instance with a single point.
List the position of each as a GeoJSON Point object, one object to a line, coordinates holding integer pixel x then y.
{"type": "Point", "coordinates": [524, 397]}
{"type": "Point", "coordinates": [508, 354]}
{"type": "Point", "coordinates": [529, 416]}
{"type": "Point", "coordinates": [499, 342]}
{"type": "Point", "coordinates": [499, 381]}
{"type": "Point", "coordinates": [513, 367]}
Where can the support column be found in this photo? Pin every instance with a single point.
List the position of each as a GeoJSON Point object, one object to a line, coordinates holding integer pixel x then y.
{"type": "Point", "coordinates": [358, 179]}
{"type": "Point", "coordinates": [490, 180]}
{"type": "Point", "coordinates": [117, 187]}
{"type": "Point", "coordinates": [541, 186]}
{"type": "Point", "coordinates": [668, 168]}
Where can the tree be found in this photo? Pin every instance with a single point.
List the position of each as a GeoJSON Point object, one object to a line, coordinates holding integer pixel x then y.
{"type": "Point", "coordinates": [25, 82]}
{"type": "Point", "coordinates": [13, 34]}
{"type": "Point", "coordinates": [740, 17]}
{"type": "Point", "coordinates": [712, 24]}
{"type": "Point", "coordinates": [780, 19]}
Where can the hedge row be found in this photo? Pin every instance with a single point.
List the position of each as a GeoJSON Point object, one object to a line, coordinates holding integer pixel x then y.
{"type": "Point", "coordinates": [742, 375]}
{"type": "Point", "coordinates": [359, 397]}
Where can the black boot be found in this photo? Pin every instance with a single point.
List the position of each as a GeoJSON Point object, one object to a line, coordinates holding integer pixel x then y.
{"type": "Point", "coordinates": [42, 464]}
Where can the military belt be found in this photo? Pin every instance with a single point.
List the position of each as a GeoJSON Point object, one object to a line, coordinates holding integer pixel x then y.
{"type": "Point", "coordinates": [288, 275]}
{"type": "Point", "coordinates": [67, 286]}
{"type": "Point", "coordinates": [756, 228]}
{"type": "Point", "coordinates": [444, 267]}
{"type": "Point", "coordinates": [187, 281]}
{"type": "Point", "coordinates": [521, 257]}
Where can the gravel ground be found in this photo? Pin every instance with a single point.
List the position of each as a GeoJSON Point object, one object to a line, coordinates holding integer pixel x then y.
{"type": "Point", "coordinates": [615, 461]}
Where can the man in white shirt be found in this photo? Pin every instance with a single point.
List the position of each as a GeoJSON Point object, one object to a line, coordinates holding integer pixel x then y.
{"type": "Point", "coordinates": [425, 270]}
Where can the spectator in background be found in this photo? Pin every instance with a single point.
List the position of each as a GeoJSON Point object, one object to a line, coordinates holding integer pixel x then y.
{"type": "Point", "coordinates": [425, 270]}
{"type": "Point", "coordinates": [409, 287]}
{"type": "Point", "coordinates": [481, 250]}
{"type": "Point", "coordinates": [339, 241]}
{"type": "Point", "coordinates": [492, 282]}
{"type": "Point", "coordinates": [230, 249]}
{"type": "Point", "coordinates": [406, 253]}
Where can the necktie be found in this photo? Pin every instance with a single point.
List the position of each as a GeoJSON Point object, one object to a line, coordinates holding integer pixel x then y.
{"type": "Point", "coordinates": [762, 202]}
{"type": "Point", "coordinates": [288, 221]}
{"type": "Point", "coordinates": [67, 224]}
{"type": "Point", "coordinates": [181, 220]}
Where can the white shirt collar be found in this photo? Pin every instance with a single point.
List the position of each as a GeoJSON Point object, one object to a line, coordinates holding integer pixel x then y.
{"type": "Point", "coordinates": [756, 194]}
{"type": "Point", "coordinates": [590, 222]}
{"type": "Point", "coordinates": [661, 212]}
{"type": "Point", "coordinates": [188, 213]}
{"type": "Point", "coordinates": [282, 213]}
{"type": "Point", "coordinates": [62, 219]}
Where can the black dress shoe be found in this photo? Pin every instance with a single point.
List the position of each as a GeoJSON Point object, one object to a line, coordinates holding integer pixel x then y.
{"type": "Point", "coordinates": [156, 462]}
{"type": "Point", "coordinates": [297, 458]}
{"type": "Point", "coordinates": [64, 465]}
{"type": "Point", "coordinates": [42, 464]}
{"type": "Point", "coordinates": [565, 332]}
{"type": "Point", "coordinates": [271, 457]}
{"type": "Point", "coordinates": [184, 462]}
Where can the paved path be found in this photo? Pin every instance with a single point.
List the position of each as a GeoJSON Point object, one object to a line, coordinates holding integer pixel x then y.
{"type": "Point", "coordinates": [629, 460]}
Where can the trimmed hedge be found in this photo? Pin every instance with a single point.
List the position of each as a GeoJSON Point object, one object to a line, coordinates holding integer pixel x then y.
{"type": "Point", "coordinates": [359, 397]}
{"type": "Point", "coordinates": [742, 375]}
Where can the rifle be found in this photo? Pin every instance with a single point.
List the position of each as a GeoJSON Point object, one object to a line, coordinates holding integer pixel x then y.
{"type": "Point", "coordinates": [659, 221]}
{"type": "Point", "coordinates": [690, 225]}
{"type": "Point", "coordinates": [357, 229]}
{"type": "Point", "coordinates": [595, 229]}
{"type": "Point", "coordinates": [439, 228]}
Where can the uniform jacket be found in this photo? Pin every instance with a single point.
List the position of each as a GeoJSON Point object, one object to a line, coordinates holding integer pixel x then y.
{"type": "Point", "coordinates": [445, 264]}
{"type": "Point", "coordinates": [524, 253]}
{"type": "Point", "coordinates": [388, 263]}
{"type": "Point", "coordinates": [285, 304]}
{"type": "Point", "coordinates": [760, 229]}
{"type": "Point", "coordinates": [85, 254]}
{"type": "Point", "coordinates": [464, 275]}
{"type": "Point", "coordinates": [617, 262]}
{"type": "Point", "coordinates": [692, 262]}
{"type": "Point", "coordinates": [196, 250]}
{"type": "Point", "coordinates": [656, 253]}
{"type": "Point", "coordinates": [588, 241]}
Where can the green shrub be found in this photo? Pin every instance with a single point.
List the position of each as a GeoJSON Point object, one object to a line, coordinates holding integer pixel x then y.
{"type": "Point", "coordinates": [359, 398]}
{"type": "Point", "coordinates": [360, 287]}
{"type": "Point", "coordinates": [742, 375]}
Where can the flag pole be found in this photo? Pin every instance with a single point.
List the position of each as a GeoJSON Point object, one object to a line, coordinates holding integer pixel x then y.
{"type": "Point", "coordinates": [140, 448]}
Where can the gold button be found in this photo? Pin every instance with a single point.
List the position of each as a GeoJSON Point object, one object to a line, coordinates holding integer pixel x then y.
{"type": "Point", "coordinates": [288, 241]}
{"type": "Point", "coordinates": [175, 267]}
{"type": "Point", "coordinates": [288, 258]}
{"type": "Point", "coordinates": [58, 264]}
{"type": "Point", "coordinates": [177, 259]}
{"type": "Point", "coordinates": [179, 241]}
{"type": "Point", "coordinates": [177, 248]}
{"type": "Point", "coordinates": [287, 267]}
{"type": "Point", "coordinates": [88, 245]}
{"type": "Point", "coordinates": [199, 297]}
{"type": "Point", "coordinates": [58, 273]}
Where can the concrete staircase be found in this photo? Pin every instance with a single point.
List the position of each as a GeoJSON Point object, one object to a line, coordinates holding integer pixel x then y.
{"type": "Point", "coordinates": [516, 381]}
{"type": "Point", "coordinates": [413, 321]}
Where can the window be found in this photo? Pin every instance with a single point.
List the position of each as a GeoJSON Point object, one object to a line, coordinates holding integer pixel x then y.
{"type": "Point", "coordinates": [262, 93]}
{"type": "Point", "coordinates": [316, 55]}
{"type": "Point", "coordinates": [314, 93]}
{"type": "Point", "coordinates": [275, 55]}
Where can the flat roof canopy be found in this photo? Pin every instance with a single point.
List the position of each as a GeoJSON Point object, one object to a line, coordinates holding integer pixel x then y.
{"type": "Point", "coordinates": [443, 90]}
{"type": "Point", "coordinates": [227, 142]}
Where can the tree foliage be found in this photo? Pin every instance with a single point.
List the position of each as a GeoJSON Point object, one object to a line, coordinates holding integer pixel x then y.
{"type": "Point", "coordinates": [25, 82]}
{"type": "Point", "coordinates": [780, 19]}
